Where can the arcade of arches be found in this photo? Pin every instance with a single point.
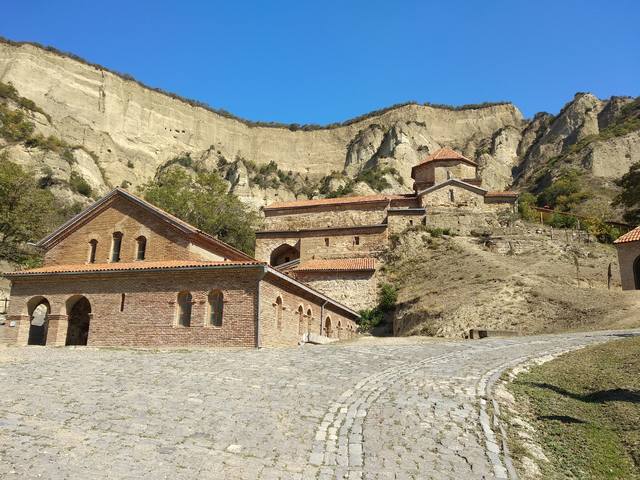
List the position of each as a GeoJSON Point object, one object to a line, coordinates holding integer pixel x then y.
{"type": "Point", "coordinates": [71, 328]}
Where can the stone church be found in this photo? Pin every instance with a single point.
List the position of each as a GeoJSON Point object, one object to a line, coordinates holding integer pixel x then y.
{"type": "Point", "coordinates": [331, 244]}
{"type": "Point", "coordinates": [628, 247]}
{"type": "Point", "coordinates": [125, 273]}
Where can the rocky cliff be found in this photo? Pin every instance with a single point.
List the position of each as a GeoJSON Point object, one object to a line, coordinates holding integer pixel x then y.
{"type": "Point", "coordinates": [123, 133]}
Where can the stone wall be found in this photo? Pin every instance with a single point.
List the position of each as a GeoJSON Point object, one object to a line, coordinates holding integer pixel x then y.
{"type": "Point", "coordinates": [343, 243]}
{"type": "Point", "coordinates": [462, 198]}
{"type": "Point", "coordinates": [628, 254]}
{"type": "Point", "coordinates": [329, 216]}
{"type": "Point", "coordinates": [398, 222]}
{"type": "Point", "coordinates": [356, 290]}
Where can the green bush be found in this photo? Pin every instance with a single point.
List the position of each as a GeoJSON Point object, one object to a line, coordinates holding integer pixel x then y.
{"type": "Point", "coordinates": [79, 185]}
{"type": "Point", "coordinates": [204, 202]}
{"type": "Point", "coordinates": [558, 220]}
{"type": "Point", "coordinates": [387, 299]}
{"type": "Point", "coordinates": [565, 192]}
{"type": "Point", "coordinates": [526, 202]}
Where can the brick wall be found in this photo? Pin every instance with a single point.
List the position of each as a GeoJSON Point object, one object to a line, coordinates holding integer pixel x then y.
{"type": "Point", "coordinates": [150, 310]}
{"type": "Point", "coordinates": [356, 290]}
{"type": "Point", "coordinates": [627, 255]}
{"type": "Point", "coordinates": [287, 331]}
{"type": "Point", "coordinates": [163, 241]}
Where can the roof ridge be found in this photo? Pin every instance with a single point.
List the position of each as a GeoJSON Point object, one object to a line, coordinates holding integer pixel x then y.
{"type": "Point", "coordinates": [176, 221]}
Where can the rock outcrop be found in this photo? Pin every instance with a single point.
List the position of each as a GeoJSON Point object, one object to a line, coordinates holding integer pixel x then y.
{"type": "Point", "coordinates": [124, 133]}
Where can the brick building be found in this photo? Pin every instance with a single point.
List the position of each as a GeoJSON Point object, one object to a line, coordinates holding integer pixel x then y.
{"type": "Point", "coordinates": [125, 273]}
{"type": "Point", "coordinates": [628, 247]}
{"type": "Point", "coordinates": [331, 242]}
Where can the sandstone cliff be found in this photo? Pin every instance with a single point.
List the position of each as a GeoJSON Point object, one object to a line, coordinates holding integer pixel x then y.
{"type": "Point", "coordinates": [123, 133]}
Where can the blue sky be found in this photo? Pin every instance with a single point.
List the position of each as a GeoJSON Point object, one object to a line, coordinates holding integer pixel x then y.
{"type": "Point", "coordinates": [326, 61]}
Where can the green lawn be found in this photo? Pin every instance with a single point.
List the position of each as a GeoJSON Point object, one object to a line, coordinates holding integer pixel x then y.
{"type": "Point", "coordinates": [585, 406]}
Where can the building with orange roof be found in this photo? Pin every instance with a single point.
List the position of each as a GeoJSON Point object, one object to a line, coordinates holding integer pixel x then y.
{"type": "Point", "coordinates": [126, 273]}
{"type": "Point", "coordinates": [628, 247]}
{"type": "Point", "coordinates": [447, 193]}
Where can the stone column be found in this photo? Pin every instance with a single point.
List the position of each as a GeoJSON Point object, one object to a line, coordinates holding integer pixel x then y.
{"type": "Point", "coordinates": [57, 332]}
{"type": "Point", "coordinates": [21, 328]}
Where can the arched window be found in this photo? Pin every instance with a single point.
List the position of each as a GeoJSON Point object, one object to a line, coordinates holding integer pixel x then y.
{"type": "Point", "coordinates": [309, 319]}
{"type": "Point", "coordinates": [216, 307]}
{"type": "Point", "coordinates": [116, 246]}
{"type": "Point", "coordinates": [184, 309]}
{"type": "Point", "coordinates": [122, 300]}
{"type": "Point", "coordinates": [452, 196]}
{"type": "Point", "coordinates": [141, 247]}
{"type": "Point", "coordinates": [636, 272]}
{"type": "Point", "coordinates": [93, 246]}
{"type": "Point", "coordinates": [279, 313]}
{"type": "Point", "coordinates": [300, 320]}
{"type": "Point", "coordinates": [327, 327]}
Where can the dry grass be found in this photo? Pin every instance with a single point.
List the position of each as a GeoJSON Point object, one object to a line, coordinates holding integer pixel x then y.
{"type": "Point", "coordinates": [516, 280]}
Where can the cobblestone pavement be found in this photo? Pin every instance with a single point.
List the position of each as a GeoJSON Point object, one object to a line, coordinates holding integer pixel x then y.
{"type": "Point", "coordinates": [373, 409]}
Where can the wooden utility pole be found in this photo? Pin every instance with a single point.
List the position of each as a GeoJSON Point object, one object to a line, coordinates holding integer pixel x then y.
{"type": "Point", "coordinates": [609, 275]}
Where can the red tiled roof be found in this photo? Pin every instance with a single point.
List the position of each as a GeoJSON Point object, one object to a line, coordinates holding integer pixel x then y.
{"type": "Point", "coordinates": [335, 201]}
{"type": "Point", "coordinates": [338, 264]}
{"type": "Point", "coordinates": [128, 266]}
{"type": "Point", "coordinates": [446, 154]}
{"type": "Point", "coordinates": [632, 236]}
{"type": "Point", "coordinates": [501, 194]}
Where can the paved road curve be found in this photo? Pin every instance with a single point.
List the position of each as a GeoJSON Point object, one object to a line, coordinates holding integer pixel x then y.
{"type": "Point", "coordinates": [374, 409]}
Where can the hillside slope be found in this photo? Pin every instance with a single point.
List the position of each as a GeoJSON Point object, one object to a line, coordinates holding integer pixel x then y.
{"type": "Point", "coordinates": [518, 279]}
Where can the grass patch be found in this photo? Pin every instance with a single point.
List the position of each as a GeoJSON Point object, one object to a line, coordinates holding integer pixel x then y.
{"type": "Point", "coordinates": [585, 407]}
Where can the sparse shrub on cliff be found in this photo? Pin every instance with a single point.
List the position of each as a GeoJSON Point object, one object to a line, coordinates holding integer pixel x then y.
{"type": "Point", "coordinates": [9, 92]}
{"type": "Point", "coordinates": [130, 164]}
{"type": "Point", "coordinates": [79, 185]}
{"type": "Point", "coordinates": [14, 126]}
{"type": "Point", "coordinates": [629, 197]}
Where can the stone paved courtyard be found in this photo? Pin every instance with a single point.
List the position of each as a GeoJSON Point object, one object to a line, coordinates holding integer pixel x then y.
{"type": "Point", "coordinates": [373, 409]}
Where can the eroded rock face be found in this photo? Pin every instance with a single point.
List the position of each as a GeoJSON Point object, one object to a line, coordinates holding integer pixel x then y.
{"type": "Point", "coordinates": [134, 130]}
{"type": "Point", "coordinates": [123, 133]}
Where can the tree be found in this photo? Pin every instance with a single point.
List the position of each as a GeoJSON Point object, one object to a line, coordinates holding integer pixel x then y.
{"type": "Point", "coordinates": [27, 212]}
{"type": "Point", "coordinates": [203, 201]}
{"type": "Point", "coordinates": [629, 197]}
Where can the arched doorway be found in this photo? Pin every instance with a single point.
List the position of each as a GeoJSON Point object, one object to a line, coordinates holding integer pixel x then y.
{"type": "Point", "coordinates": [636, 272]}
{"type": "Point", "coordinates": [327, 327]}
{"type": "Point", "coordinates": [285, 253]}
{"type": "Point", "coordinates": [79, 314]}
{"type": "Point", "coordinates": [39, 309]}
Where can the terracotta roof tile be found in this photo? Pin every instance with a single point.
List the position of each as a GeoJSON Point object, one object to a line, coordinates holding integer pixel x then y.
{"type": "Point", "coordinates": [446, 154]}
{"type": "Point", "coordinates": [335, 201]}
{"type": "Point", "coordinates": [125, 266]}
{"type": "Point", "coordinates": [632, 236]}
{"type": "Point", "coordinates": [338, 264]}
{"type": "Point", "coordinates": [501, 194]}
